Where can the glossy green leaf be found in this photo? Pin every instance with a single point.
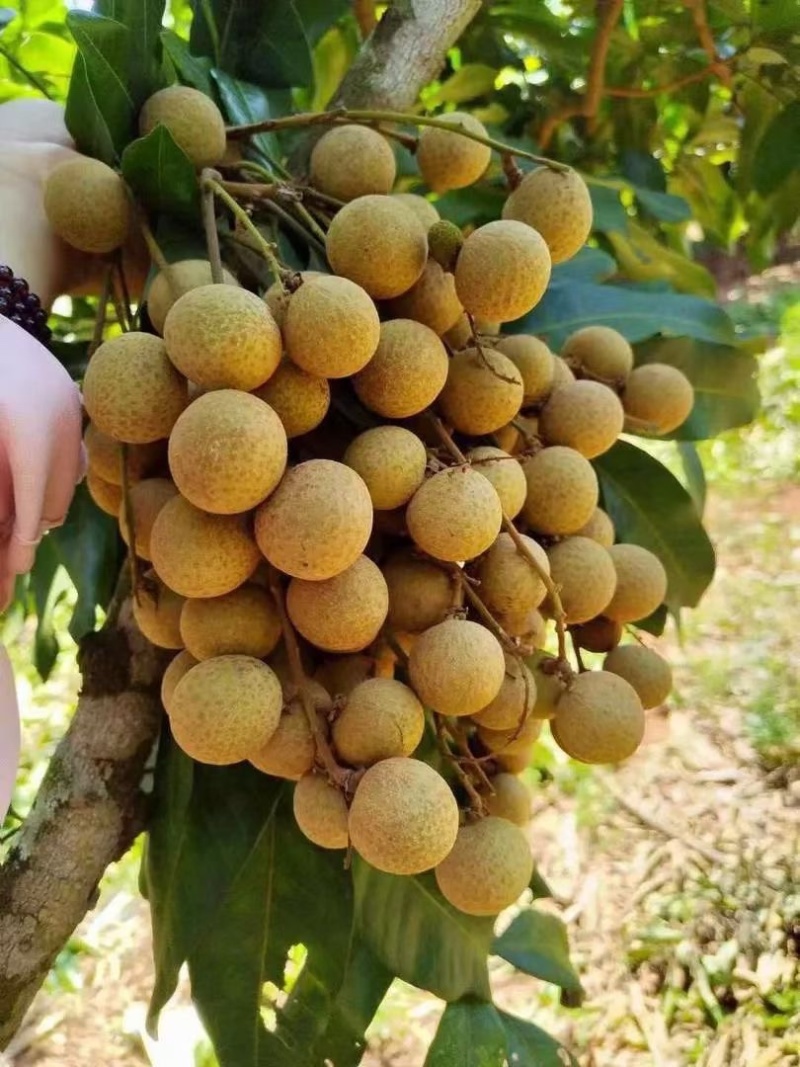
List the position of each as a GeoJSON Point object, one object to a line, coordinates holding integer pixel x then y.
{"type": "Point", "coordinates": [650, 507]}
{"type": "Point", "coordinates": [590, 264]}
{"type": "Point", "coordinates": [609, 214]}
{"type": "Point", "coordinates": [143, 20]}
{"type": "Point", "coordinates": [778, 151]}
{"type": "Point", "coordinates": [529, 1046]}
{"type": "Point", "coordinates": [724, 380]}
{"type": "Point", "coordinates": [84, 117]}
{"type": "Point", "coordinates": [105, 46]}
{"type": "Point", "coordinates": [470, 1034]}
{"type": "Point", "coordinates": [317, 16]}
{"type": "Point", "coordinates": [538, 886]}
{"type": "Point", "coordinates": [48, 583]}
{"type": "Point", "coordinates": [243, 103]}
{"type": "Point", "coordinates": [655, 623]}
{"type": "Point", "coordinates": [421, 938]}
{"type": "Point", "coordinates": [694, 474]}
{"type": "Point", "coordinates": [6, 15]}
{"type": "Point", "coordinates": [191, 70]}
{"type": "Point", "coordinates": [162, 175]}
{"type": "Point", "coordinates": [666, 207]}
{"type": "Point", "coordinates": [467, 83]}
{"type": "Point", "coordinates": [536, 943]}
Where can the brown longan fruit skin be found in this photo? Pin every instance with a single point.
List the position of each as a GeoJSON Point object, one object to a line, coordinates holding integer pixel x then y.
{"type": "Point", "coordinates": [550, 686]}
{"type": "Point", "coordinates": [431, 300]}
{"type": "Point", "coordinates": [509, 798]}
{"type": "Point", "coordinates": [343, 613]}
{"type": "Point", "coordinates": [87, 205]}
{"type": "Point", "coordinates": [534, 361]}
{"type": "Point", "coordinates": [291, 751]}
{"type": "Point", "coordinates": [157, 611]}
{"type": "Point", "coordinates": [299, 399]}
{"type": "Point", "coordinates": [558, 205]}
{"type": "Point", "coordinates": [502, 271]}
{"type": "Point", "coordinates": [648, 673]}
{"type": "Point", "coordinates": [488, 869]}
{"type": "Point", "coordinates": [456, 667]}
{"type": "Point", "coordinates": [106, 495]}
{"type": "Point", "coordinates": [321, 812]}
{"type": "Point", "coordinates": [448, 160]}
{"type": "Point", "coordinates": [482, 393]}
{"type": "Point", "coordinates": [586, 416]}
{"type": "Point", "coordinates": [277, 297]}
{"type": "Point", "coordinates": [562, 375]}
{"type": "Point", "coordinates": [422, 207]}
{"type": "Point", "coordinates": [600, 528]}
{"type": "Point", "coordinates": [403, 819]}
{"type": "Point", "coordinates": [599, 719]}
{"type": "Point", "coordinates": [243, 622]}
{"type": "Point", "coordinates": [104, 454]}
{"type": "Point", "coordinates": [194, 121]}
{"type": "Point", "coordinates": [562, 491]}
{"type": "Point", "coordinates": [509, 584]}
{"type": "Point", "coordinates": [350, 161]}
{"type": "Point", "coordinates": [407, 372]}
{"type": "Point", "coordinates": [392, 462]}
{"type": "Point", "coordinates": [147, 498]}
{"type": "Point", "coordinates": [641, 583]}
{"type": "Point", "coordinates": [513, 741]}
{"type": "Point", "coordinates": [455, 515]}
{"type": "Point", "coordinates": [505, 474]}
{"type": "Point", "coordinates": [598, 635]}
{"type": "Point", "coordinates": [420, 592]}
{"type": "Point", "coordinates": [379, 243]}
{"type": "Point", "coordinates": [586, 575]}
{"type": "Point", "coordinates": [176, 668]}
{"type": "Point", "coordinates": [339, 675]}
{"type": "Point", "coordinates": [515, 700]}
{"type": "Point", "coordinates": [169, 285]}
{"type": "Point", "coordinates": [600, 352]}
{"type": "Point", "coordinates": [331, 327]}
{"type": "Point", "coordinates": [659, 395]}
{"type": "Point", "coordinates": [382, 718]}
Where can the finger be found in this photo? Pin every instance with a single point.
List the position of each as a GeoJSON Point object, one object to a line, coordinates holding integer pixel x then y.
{"type": "Point", "coordinates": [29, 458]}
{"type": "Point", "coordinates": [65, 467]}
{"type": "Point", "coordinates": [9, 733]}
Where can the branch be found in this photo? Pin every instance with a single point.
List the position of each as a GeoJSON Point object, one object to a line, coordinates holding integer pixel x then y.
{"type": "Point", "coordinates": [697, 9]}
{"type": "Point", "coordinates": [641, 94]}
{"type": "Point", "coordinates": [88, 811]}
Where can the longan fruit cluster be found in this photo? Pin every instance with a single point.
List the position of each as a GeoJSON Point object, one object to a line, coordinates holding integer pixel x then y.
{"type": "Point", "coordinates": [360, 508]}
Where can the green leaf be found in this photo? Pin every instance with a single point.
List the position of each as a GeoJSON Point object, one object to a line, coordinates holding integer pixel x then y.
{"type": "Point", "coordinates": [105, 47]}
{"type": "Point", "coordinates": [694, 474]}
{"type": "Point", "coordinates": [650, 507]}
{"type": "Point", "coordinates": [84, 117]}
{"type": "Point", "coordinates": [6, 15]}
{"type": "Point", "coordinates": [143, 20]}
{"type": "Point", "coordinates": [162, 175]}
{"type": "Point", "coordinates": [609, 214]}
{"type": "Point", "coordinates": [590, 264]}
{"type": "Point", "coordinates": [655, 623]}
{"type": "Point", "coordinates": [538, 886]}
{"type": "Point", "coordinates": [470, 1034]}
{"type": "Point", "coordinates": [724, 380]}
{"type": "Point", "coordinates": [468, 82]}
{"type": "Point", "coordinates": [48, 584]}
{"type": "Point", "coordinates": [244, 103]}
{"type": "Point", "coordinates": [778, 151]}
{"type": "Point", "coordinates": [529, 1046]}
{"type": "Point", "coordinates": [261, 43]}
{"type": "Point", "coordinates": [421, 938]}
{"type": "Point", "coordinates": [536, 943]}
{"type": "Point", "coordinates": [317, 16]}
{"type": "Point", "coordinates": [666, 207]}
{"type": "Point", "coordinates": [568, 305]}
{"type": "Point", "coordinates": [192, 70]}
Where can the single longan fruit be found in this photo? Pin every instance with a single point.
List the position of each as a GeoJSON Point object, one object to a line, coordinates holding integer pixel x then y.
{"type": "Point", "coordinates": [106, 495]}
{"type": "Point", "coordinates": [194, 120]}
{"type": "Point", "coordinates": [460, 334]}
{"type": "Point", "coordinates": [505, 474]}
{"type": "Point", "coordinates": [392, 462]}
{"type": "Point", "coordinates": [599, 719]}
{"type": "Point", "coordinates": [455, 515]}
{"type": "Point", "coordinates": [600, 528]}
{"type": "Point", "coordinates": [177, 667]}
{"type": "Point", "coordinates": [534, 361]}
{"type": "Point", "coordinates": [404, 818]}
{"type": "Point", "coordinates": [407, 372]}
{"type": "Point", "coordinates": [586, 416]}
{"type": "Point", "coordinates": [226, 708]}
{"type": "Point", "coordinates": [562, 375]}
{"type": "Point", "coordinates": [518, 436]}
{"type": "Point", "coordinates": [562, 490]}
{"type": "Point", "coordinates": [339, 675]}
{"type": "Point", "coordinates": [420, 592]}
{"type": "Point", "coordinates": [585, 573]}
{"type": "Point", "coordinates": [350, 161]}
{"type": "Point", "coordinates": [600, 634]}
{"type": "Point", "coordinates": [317, 522]}
{"type": "Point", "coordinates": [457, 667]}
{"type": "Point", "coordinates": [422, 207]}
{"type": "Point", "coordinates": [488, 869]}
{"type": "Point", "coordinates": [382, 718]}
{"type": "Point", "coordinates": [599, 352]}
{"type": "Point", "coordinates": [343, 613]}
{"type": "Point", "coordinates": [321, 812]}
{"type": "Point", "coordinates": [299, 399]}
{"type": "Point", "coordinates": [448, 160]}
{"type": "Point", "coordinates": [659, 395]}
{"type": "Point", "coordinates": [87, 206]}
{"type": "Point", "coordinates": [502, 271]}
{"type": "Point", "coordinates": [648, 673]}
{"type": "Point", "coordinates": [641, 583]}
{"type": "Point", "coordinates": [222, 337]}
{"type": "Point", "coordinates": [331, 328]}
{"type": "Point", "coordinates": [169, 285]}
{"type": "Point", "coordinates": [227, 451]}
{"type": "Point", "coordinates": [509, 584]}
{"type": "Point", "coordinates": [201, 555]}
{"type": "Point", "coordinates": [529, 626]}
{"type": "Point", "coordinates": [445, 241]}
{"type": "Point", "coordinates": [157, 611]}
{"type": "Point", "coordinates": [558, 205]}
{"type": "Point", "coordinates": [105, 455]}
{"type": "Point", "coordinates": [243, 622]}
{"type": "Point", "coordinates": [277, 297]}
{"type": "Point", "coordinates": [147, 498]}
{"type": "Point", "coordinates": [431, 300]}
{"type": "Point", "coordinates": [513, 741]}
{"type": "Point", "coordinates": [550, 686]}
{"type": "Point", "coordinates": [290, 752]}
{"type": "Point", "coordinates": [509, 798]}
{"type": "Point", "coordinates": [483, 391]}
{"type": "Point", "coordinates": [379, 243]}
{"type": "Point", "coordinates": [514, 702]}
{"type": "Point", "coordinates": [131, 391]}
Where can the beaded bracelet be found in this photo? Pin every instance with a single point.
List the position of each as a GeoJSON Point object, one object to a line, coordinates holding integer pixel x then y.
{"type": "Point", "coordinates": [21, 306]}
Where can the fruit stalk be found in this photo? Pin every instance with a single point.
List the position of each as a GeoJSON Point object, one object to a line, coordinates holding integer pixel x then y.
{"type": "Point", "coordinates": [210, 226]}
{"type": "Point", "coordinates": [279, 273]}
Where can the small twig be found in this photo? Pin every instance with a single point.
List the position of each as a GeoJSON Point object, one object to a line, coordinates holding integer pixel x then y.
{"type": "Point", "coordinates": [576, 648]}
{"type": "Point", "coordinates": [390, 638]}
{"type": "Point", "coordinates": [443, 738]}
{"type": "Point", "coordinates": [512, 171]}
{"type": "Point", "coordinates": [622, 93]}
{"type": "Point", "coordinates": [153, 248]}
{"type": "Point", "coordinates": [462, 744]}
{"type": "Point", "coordinates": [210, 226]}
{"type": "Point", "coordinates": [279, 272]}
{"type": "Point", "coordinates": [102, 312]}
{"type": "Point", "coordinates": [364, 11]}
{"type": "Point", "coordinates": [697, 9]}
{"type": "Point", "coordinates": [479, 606]}
{"type": "Point", "coordinates": [478, 346]}
{"type": "Point", "coordinates": [124, 290]}
{"type": "Point", "coordinates": [130, 522]}
{"type": "Point", "coordinates": [310, 238]}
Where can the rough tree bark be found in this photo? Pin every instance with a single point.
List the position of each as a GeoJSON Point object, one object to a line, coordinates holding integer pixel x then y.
{"type": "Point", "coordinates": [91, 804]}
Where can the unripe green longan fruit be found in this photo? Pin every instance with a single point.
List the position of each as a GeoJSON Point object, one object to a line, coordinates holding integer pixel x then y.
{"type": "Point", "coordinates": [457, 667]}
{"type": "Point", "coordinates": [320, 811]}
{"type": "Point", "coordinates": [299, 399]}
{"type": "Point", "coordinates": [201, 555]}
{"type": "Point", "coordinates": [227, 451]}
{"type": "Point", "coordinates": [106, 495]}
{"type": "Point", "coordinates": [331, 327]}
{"type": "Point", "coordinates": [599, 527]}
{"type": "Point", "coordinates": [598, 635]}
{"type": "Point", "coordinates": [382, 718]}
{"type": "Point", "coordinates": [509, 799]}
{"type": "Point", "coordinates": [290, 752]}
{"type": "Point", "coordinates": [482, 393]}
{"type": "Point", "coordinates": [157, 611]}
{"type": "Point", "coordinates": [509, 584]}
{"type": "Point", "coordinates": [448, 160]}
{"type": "Point", "coordinates": [431, 300]}
{"type": "Point", "coordinates": [131, 391]}
{"type": "Point", "coordinates": [648, 673]}
{"type": "Point", "coordinates": [193, 119]}
{"type": "Point", "coordinates": [243, 622]}
{"type": "Point", "coordinates": [585, 573]}
{"type": "Point", "coordinates": [558, 205]}
{"type": "Point", "coordinates": [534, 361]}
{"type": "Point", "coordinates": [317, 522]}
{"type": "Point", "coordinates": [392, 462]}
{"type": "Point", "coordinates": [422, 207]}
{"type": "Point", "coordinates": [488, 868]}
{"type": "Point", "coordinates": [350, 161]}
{"type": "Point", "coordinates": [105, 455]}
{"type": "Point", "coordinates": [420, 592]}
{"type": "Point", "coordinates": [147, 498]}
{"type": "Point", "coordinates": [599, 719]}
{"type": "Point", "coordinates": [562, 490]}
{"type": "Point", "coordinates": [407, 372]}
{"type": "Point", "coordinates": [455, 515]}
{"type": "Point", "coordinates": [641, 583]}
{"type": "Point", "coordinates": [515, 700]}
{"type": "Point", "coordinates": [600, 352]}
{"type": "Point", "coordinates": [169, 285]}
{"type": "Point", "coordinates": [586, 416]}
{"type": "Point", "coordinates": [87, 206]}
{"type": "Point", "coordinates": [343, 613]}
{"type": "Point", "coordinates": [404, 818]}
{"type": "Point", "coordinates": [445, 241]}
{"type": "Point", "coordinates": [177, 667]}
{"type": "Point", "coordinates": [377, 242]}
{"type": "Point", "coordinates": [660, 395]}
{"type": "Point", "coordinates": [222, 337]}
{"type": "Point", "coordinates": [505, 474]}
{"type": "Point", "coordinates": [502, 271]}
